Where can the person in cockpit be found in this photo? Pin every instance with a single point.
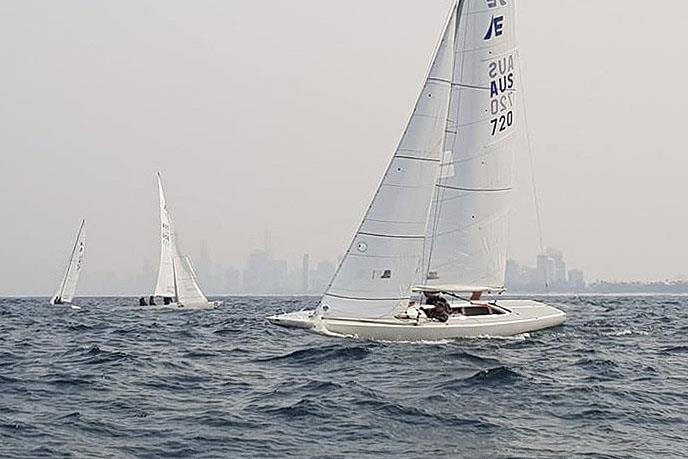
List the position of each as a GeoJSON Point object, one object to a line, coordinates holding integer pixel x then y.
{"type": "Point", "coordinates": [441, 310]}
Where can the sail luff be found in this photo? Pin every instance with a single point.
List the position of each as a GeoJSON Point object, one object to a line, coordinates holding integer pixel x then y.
{"type": "Point", "coordinates": [381, 264]}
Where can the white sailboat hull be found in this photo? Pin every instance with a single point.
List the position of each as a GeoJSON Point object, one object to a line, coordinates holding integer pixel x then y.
{"type": "Point", "coordinates": [64, 303]}
{"type": "Point", "coordinates": [185, 307]}
{"type": "Point", "coordinates": [525, 316]}
{"type": "Point", "coordinates": [297, 319]}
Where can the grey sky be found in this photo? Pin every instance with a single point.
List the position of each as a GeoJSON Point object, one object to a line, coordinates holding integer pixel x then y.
{"type": "Point", "coordinates": [282, 116]}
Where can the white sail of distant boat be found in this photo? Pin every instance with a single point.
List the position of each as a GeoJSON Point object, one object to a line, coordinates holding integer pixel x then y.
{"type": "Point", "coordinates": [168, 250]}
{"type": "Point", "coordinates": [67, 288]}
{"type": "Point", "coordinates": [438, 223]}
{"type": "Point", "coordinates": [177, 283]}
{"type": "Point", "coordinates": [186, 282]}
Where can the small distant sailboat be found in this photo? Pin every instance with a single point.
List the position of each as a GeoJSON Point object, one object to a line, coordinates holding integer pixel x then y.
{"type": "Point", "coordinates": [438, 223]}
{"type": "Point", "coordinates": [177, 282]}
{"type": "Point", "coordinates": [67, 289]}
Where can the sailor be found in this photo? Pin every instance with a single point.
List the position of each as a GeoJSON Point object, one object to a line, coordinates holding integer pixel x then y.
{"type": "Point", "coordinates": [167, 299]}
{"type": "Point", "coordinates": [151, 300]}
{"type": "Point", "coordinates": [441, 310]}
{"type": "Point", "coordinates": [58, 300]}
{"type": "Point", "coordinates": [142, 301]}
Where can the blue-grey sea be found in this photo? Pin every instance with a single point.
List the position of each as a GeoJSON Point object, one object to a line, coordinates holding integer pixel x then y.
{"type": "Point", "coordinates": [116, 380]}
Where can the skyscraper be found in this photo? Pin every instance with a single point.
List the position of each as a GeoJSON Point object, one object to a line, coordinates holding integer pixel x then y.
{"type": "Point", "coordinates": [305, 273]}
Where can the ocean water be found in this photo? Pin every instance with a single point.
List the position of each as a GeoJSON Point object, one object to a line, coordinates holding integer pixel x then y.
{"type": "Point", "coordinates": [116, 380]}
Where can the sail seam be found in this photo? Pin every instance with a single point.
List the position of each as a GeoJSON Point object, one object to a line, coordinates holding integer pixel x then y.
{"type": "Point", "coordinates": [439, 80]}
{"type": "Point", "coordinates": [417, 158]}
{"type": "Point", "coordinates": [486, 190]}
{"type": "Point", "coordinates": [469, 86]}
{"type": "Point", "coordinates": [428, 116]}
{"type": "Point", "coordinates": [405, 222]}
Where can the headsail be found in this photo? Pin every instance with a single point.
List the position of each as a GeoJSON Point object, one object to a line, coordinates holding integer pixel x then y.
{"type": "Point", "coordinates": [468, 225]}
{"type": "Point", "coordinates": [168, 249]}
{"type": "Point", "coordinates": [188, 290]}
{"type": "Point", "coordinates": [376, 274]}
{"type": "Point", "coordinates": [67, 289]}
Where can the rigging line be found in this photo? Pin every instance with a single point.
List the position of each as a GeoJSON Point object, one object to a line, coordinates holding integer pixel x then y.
{"type": "Point", "coordinates": [536, 198]}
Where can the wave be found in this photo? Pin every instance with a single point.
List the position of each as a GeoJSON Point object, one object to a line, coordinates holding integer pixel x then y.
{"type": "Point", "coordinates": [675, 350]}
{"type": "Point", "coordinates": [500, 374]}
{"type": "Point", "coordinates": [302, 408]}
{"type": "Point", "coordinates": [416, 415]}
{"type": "Point", "coordinates": [72, 415]}
{"type": "Point", "coordinates": [627, 332]}
{"type": "Point", "coordinates": [473, 358]}
{"type": "Point", "coordinates": [321, 354]}
{"type": "Point", "coordinates": [95, 356]}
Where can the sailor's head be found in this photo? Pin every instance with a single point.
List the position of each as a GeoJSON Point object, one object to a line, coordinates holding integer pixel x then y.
{"type": "Point", "coordinates": [432, 294]}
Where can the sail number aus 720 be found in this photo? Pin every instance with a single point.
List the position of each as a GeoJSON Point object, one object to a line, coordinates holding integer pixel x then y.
{"type": "Point", "coordinates": [502, 122]}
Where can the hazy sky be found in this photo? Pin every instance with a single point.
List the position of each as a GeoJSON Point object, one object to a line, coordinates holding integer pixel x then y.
{"type": "Point", "coordinates": [282, 116]}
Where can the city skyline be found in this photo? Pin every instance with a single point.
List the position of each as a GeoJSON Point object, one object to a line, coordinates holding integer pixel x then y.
{"type": "Point", "coordinates": [265, 272]}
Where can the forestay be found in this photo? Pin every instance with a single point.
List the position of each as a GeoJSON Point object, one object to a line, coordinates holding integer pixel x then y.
{"type": "Point", "coordinates": [168, 249]}
{"type": "Point", "coordinates": [67, 287]}
{"type": "Point", "coordinates": [383, 261]}
{"type": "Point", "coordinates": [188, 290]}
{"type": "Point", "coordinates": [468, 225]}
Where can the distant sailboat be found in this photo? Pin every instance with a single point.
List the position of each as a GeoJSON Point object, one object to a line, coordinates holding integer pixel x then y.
{"type": "Point", "coordinates": [177, 282]}
{"type": "Point", "coordinates": [67, 289]}
{"type": "Point", "coordinates": [438, 223]}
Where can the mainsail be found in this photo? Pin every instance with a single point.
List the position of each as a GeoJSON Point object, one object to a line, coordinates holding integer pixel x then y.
{"type": "Point", "coordinates": [67, 289]}
{"type": "Point", "coordinates": [382, 263]}
{"type": "Point", "coordinates": [168, 249]}
{"type": "Point", "coordinates": [466, 244]}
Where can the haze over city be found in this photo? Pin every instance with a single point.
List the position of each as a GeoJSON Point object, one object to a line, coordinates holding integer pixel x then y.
{"type": "Point", "coordinates": [282, 117]}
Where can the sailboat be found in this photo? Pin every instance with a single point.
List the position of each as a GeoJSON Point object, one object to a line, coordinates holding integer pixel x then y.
{"type": "Point", "coordinates": [177, 281]}
{"type": "Point", "coordinates": [67, 288]}
{"type": "Point", "coordinates": [434, 239]}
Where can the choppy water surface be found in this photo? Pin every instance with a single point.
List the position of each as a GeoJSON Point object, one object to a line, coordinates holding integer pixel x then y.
{"type": "Point", "coordinates": [115, 380]}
